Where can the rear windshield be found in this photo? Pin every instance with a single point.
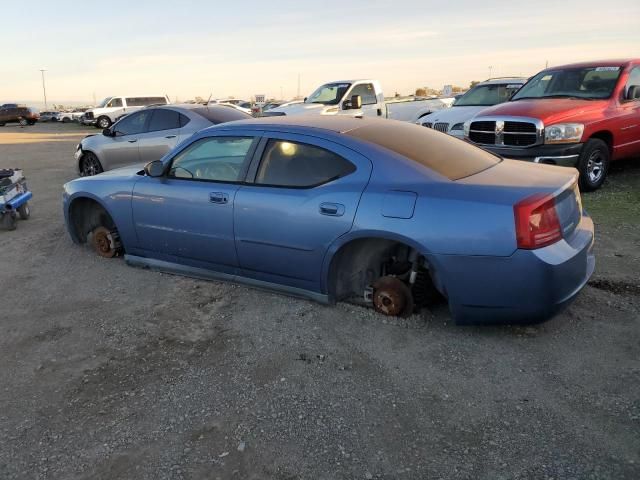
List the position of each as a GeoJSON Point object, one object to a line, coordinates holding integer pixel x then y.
{"type": "Point", "coordinates": [221, 114]}
{"type": "Point", "coordinates": [448, 156]}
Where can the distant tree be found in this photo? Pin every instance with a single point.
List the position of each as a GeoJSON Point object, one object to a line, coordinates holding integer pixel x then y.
{"type": "Point", "coordinates": [199, 100]}
{"type": "Point", "coordinates": [473, 83]}
{"type": "Point", "coordinates": [397, 95]}
{"type": "Point", "coordinates": [421, 92]}
{"type": "Point", "coordinates": [456, 89]}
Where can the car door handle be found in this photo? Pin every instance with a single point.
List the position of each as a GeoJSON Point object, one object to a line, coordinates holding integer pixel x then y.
{"type": "Point", "coordinates": [332, 209]}
{"type": "Point", "coordinates": [171, 136]}
{"type": "Point", "coordinates": [218, 197]}
{"type": "Point", "coordinates": [133, 140]}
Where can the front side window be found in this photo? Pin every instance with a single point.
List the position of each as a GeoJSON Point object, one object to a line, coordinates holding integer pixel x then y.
{"type": "Point", "coordinates": [298, 165]}
{"type": "Point", "coordinates": [589, 83]}
{"type": "Point", "coordinates": [219, 159]}
{"type": "Point", "coordinates": [329, 94]}
{"type": "Point", "coordinates": [487, 95]}
{"type": "Point", "coordinates": [132, 124]}
{"type": "Point", "coordinates": [633, 80]}
{"type": "Point", "coordinates": [163, 119]}
{"type": "Point", "coordinates": [115, 103]}
{"type": "Point", "coordinates": [366, 92]}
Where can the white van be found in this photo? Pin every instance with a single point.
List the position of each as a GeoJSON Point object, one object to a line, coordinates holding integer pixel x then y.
{"type": "Point", "coordinates": [109, 109]}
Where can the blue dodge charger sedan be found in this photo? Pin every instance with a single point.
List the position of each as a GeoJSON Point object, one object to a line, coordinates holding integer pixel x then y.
{"type": "Point", "coordinates": [373, 211]}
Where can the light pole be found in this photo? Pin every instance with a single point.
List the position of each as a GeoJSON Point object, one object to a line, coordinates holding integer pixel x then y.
{"type": "Point", "coordinates": [44, 90]}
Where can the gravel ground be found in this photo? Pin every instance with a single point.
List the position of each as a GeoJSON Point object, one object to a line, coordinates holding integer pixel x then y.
{"type": "Point", "coordinates": [112, 372]}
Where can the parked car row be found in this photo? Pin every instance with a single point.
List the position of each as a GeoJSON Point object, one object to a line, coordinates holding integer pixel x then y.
{"type": "Point", "coordinates": [327, 200]}
{"type": "Point", "coordinates": [581, 115]}
{"type": "Point", "coordinates": [20, 114]}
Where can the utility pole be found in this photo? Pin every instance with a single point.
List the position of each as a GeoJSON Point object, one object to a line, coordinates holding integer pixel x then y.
{"type": "Point", "coordinates": [490, 69]}
{"type": "Point", "coordinates": [44, 89]}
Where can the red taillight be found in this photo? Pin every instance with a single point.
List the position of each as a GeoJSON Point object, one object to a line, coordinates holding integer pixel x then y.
{"type": "Point", "coordinates": [537, 223]}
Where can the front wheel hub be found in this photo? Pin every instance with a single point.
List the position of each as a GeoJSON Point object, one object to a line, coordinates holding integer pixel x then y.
{"type": "Point", "coordinates": [105, 242]}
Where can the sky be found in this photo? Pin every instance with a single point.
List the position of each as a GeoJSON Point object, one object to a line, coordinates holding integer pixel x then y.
{"type": "Point", "coordinates": [93, 49]}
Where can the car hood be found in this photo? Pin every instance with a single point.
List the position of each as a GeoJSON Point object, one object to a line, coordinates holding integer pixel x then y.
{"type": "Point", "coordinates": [117, 173]}
{"type": "Point", "coordinates": [301, 109]}
{"type": "Point", "coordinates": [550, 110]}
{"type": "Point", "coordinates": [452, 115]}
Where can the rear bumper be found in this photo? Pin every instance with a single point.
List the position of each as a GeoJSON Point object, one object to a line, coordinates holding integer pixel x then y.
{"type": "Point", "coordinates": [563, 155]}
{"type": "Point", "coordinates": [529, 286]}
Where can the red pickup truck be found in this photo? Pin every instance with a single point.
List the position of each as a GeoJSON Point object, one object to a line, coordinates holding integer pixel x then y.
{"type": "Point", "coordinates": [582, 115]}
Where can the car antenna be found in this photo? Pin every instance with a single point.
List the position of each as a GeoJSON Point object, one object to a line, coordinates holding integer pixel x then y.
{"type": "Point", "coordinates": [209, 99]}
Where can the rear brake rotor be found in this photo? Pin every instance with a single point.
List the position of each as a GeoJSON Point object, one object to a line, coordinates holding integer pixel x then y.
{"type": "Point", "coordinates": [391, 296]}
{"type": "Point", "coordinates": [105, 242]}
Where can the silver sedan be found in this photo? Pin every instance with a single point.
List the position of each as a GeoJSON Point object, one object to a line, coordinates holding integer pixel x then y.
{"type": "Point", "coordinates": [146, 135]}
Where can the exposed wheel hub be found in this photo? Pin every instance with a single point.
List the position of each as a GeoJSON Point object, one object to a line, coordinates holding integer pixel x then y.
{"type": "Point", "coordinates": [391, 296]}
{"type": "Point", "coordinates": [105, 242]}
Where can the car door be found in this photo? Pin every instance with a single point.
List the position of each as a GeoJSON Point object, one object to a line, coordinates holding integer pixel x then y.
{"type": "Point", "coordinates": [304, 196]}
{"type": "Point", "coordinates": [186, 216]}
{"type": "Point", "coordinates": [122, 148]}
{"type": "Point", "coordinates": [163, 133]}
{"type": "Point", "coordinates": [629, 122]}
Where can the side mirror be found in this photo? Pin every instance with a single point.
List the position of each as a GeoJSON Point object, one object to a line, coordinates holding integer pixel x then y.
{"type": "Point", "coordinates": [356, 102]}
{"type": "Point", "coordinates": [154, 169]}
{"type": "Point", "coordinates": [108, 133]}
{"type": "Point", "coordinates": [633, 92]}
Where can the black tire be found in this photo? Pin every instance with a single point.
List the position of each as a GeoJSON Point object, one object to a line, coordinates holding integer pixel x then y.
{"type": "Point", "coordinates": [8, 220]}
{"type": "Point", "coordinates": [2, 124]}
{"type": "Point", "coordinates": [90, 165]}
{"type": "Point", "coordinates": [24, 211]}
{"type": "Point", "coordinates": [32, 123]}
{"type": "Point", "coordinates": [103, 122]}
{"type": "Point", "coordinates": [23, 122]}
{"type": "Point", "coordinates": [66, 120]}
{"type": "Point", "coordinates": [593, 164]}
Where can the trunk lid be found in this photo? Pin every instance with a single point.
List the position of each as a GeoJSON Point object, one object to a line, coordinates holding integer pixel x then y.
{"type": "Point", "coordinates": [517, 180]}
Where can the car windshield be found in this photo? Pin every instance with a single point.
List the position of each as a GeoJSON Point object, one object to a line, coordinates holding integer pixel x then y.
{"type": "Point", "coordinates": [104, 102]}
{"type": "Point", "coordinates": [487, 95]}
{"type": "Point", "coordinates": [589, 83]}
{"type": "Point", "coordinates": [329, 94]}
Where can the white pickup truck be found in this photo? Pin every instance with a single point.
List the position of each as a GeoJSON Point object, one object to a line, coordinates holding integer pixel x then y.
{"type": "Point", "coordinates": [360, 98]}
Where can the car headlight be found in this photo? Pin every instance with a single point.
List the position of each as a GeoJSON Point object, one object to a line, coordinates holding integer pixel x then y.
{"type": "Point", "coordinates": [563, 133]}
{"type": "Point", "coordinates": [466, 126]}
{"type": "Point", "coordinates": [458, 126]}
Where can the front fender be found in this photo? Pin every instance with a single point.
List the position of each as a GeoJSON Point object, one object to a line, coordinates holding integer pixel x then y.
{"type": "Point", "coordinates": [117, 205]}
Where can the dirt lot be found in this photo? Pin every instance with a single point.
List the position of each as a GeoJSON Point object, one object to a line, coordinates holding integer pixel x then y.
{"type": "Point", "coordinates": [112, 372]}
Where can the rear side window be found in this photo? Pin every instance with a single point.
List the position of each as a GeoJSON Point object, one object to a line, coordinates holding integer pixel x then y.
{"type": "Point", "coordinates": [144, 101]}
{"type": "Point", "coordinates": [164, 119]}
{"type": "Point", "coordinates": [183, 120]}
{"type": "Point", "coordinates": [447, 156]}
{"type": "Point", "coordinates": [298, 165]}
